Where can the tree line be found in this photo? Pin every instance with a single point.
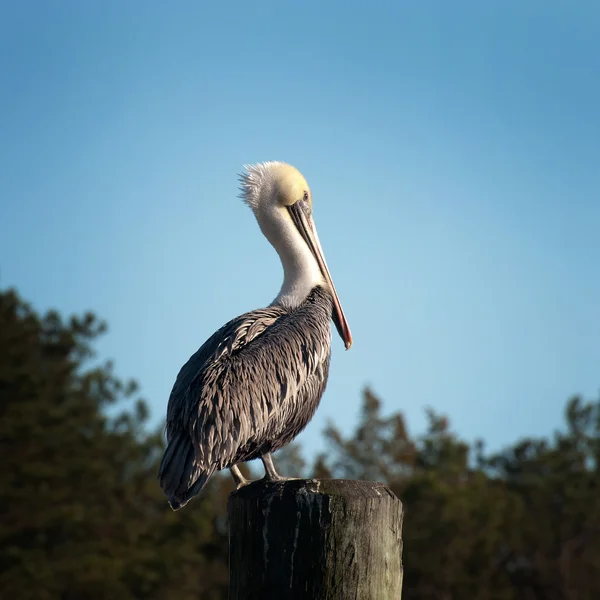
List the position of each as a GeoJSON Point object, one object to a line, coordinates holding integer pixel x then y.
{"type": "Point", "coordinates": [82, 515]}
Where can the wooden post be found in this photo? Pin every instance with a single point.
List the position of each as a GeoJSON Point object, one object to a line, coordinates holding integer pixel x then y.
{"type": "Point", "coordinates": [310, 539]}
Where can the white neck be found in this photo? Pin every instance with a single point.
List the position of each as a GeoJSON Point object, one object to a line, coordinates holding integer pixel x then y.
{"type": "Point", "coordinates": [301, 272]}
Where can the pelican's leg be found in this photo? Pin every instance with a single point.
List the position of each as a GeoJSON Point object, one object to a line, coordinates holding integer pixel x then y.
{"type": "Point", "coordinates": [239, 479]}
{"type": "Point", "coordinates": [270, 473]}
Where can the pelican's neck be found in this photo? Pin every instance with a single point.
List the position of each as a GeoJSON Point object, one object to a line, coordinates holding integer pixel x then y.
{"type": "Point", "coordinates": [301, 272]}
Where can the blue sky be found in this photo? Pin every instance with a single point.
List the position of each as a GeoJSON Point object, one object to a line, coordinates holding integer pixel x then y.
{"type": "Point", "coordinates": [452, 148]}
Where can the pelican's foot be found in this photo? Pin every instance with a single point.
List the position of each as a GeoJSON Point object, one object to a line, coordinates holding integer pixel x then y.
{"type": "Point", "coordinates": [278, 477]}
{"type": "Point", "coordinates": [270, 473]}
{"type": "Point", "coordinates": [240, 480]}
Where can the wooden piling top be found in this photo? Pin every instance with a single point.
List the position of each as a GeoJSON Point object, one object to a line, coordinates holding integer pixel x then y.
{"type": "Point", "coordinates": [319, 539]}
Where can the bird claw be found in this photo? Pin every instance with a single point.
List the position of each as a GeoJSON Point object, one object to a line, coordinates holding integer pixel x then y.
{"type": "Point", "coordinates": [275, 479]}
{"type": "Point", "coordinates": [239, 479]}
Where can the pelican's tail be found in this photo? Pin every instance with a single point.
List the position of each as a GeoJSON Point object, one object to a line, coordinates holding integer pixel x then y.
{"type": "Point", "coordinates": [179, 474]}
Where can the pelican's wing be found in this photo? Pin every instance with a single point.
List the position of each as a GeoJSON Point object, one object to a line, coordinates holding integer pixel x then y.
{"type": "Point", "coordinates": [186, 466]}
{"type": "Point", "coordinates": [236, 390]}
{"type": "Point", "coordinates": [183, 401]}
{"type": "Point", "coordinates": [244, 396]}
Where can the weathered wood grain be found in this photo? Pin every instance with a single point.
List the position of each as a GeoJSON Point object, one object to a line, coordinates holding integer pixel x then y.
{"type": "Point", "coordinates": [315, 539]}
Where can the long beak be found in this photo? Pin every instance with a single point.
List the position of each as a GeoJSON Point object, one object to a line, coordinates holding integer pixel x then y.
{"type": "Point", "coordinates": [306, 226]}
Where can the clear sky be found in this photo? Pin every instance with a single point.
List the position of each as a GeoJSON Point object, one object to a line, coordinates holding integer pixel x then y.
{"type": "Point", "coordinates": [452, 148]}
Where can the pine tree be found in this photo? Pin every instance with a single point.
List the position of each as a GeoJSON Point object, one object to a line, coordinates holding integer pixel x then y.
{"type": "Point", "coordinates": [81, 512]}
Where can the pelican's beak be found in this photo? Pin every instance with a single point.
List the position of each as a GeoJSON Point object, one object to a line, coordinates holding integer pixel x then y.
{"type": "Point", "coordinates": [306, 226]}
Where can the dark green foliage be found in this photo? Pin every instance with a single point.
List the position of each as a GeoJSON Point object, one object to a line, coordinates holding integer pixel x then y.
{"type": "Point", "coordinates": [82, 515]}
{"type": "Point", "coordinates": [523, 524]}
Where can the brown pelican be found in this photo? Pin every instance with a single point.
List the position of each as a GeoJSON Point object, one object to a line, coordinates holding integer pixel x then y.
{"type": "Point", "coordinates": [256, 383]}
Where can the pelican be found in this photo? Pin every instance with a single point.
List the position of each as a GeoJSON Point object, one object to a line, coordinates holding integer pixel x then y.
{"type": "Point", "coordinates": [255, 384]}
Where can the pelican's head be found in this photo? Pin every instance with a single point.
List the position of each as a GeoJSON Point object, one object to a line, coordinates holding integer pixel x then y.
{"type": "Point", "coordinates": [281, 200]}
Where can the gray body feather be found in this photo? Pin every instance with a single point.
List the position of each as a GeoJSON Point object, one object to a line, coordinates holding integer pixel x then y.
{"type": "Point", "coordinates": [250, 389]}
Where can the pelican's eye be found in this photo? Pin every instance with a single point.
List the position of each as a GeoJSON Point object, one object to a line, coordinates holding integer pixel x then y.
{"type": "Point", "coordinates": [305, 196]}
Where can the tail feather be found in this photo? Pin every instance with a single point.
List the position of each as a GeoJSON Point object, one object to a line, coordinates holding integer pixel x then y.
{"type": "Point", "coordinates": [179, 474]}
{"type": "Point", "coordinates": [179, 501]}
